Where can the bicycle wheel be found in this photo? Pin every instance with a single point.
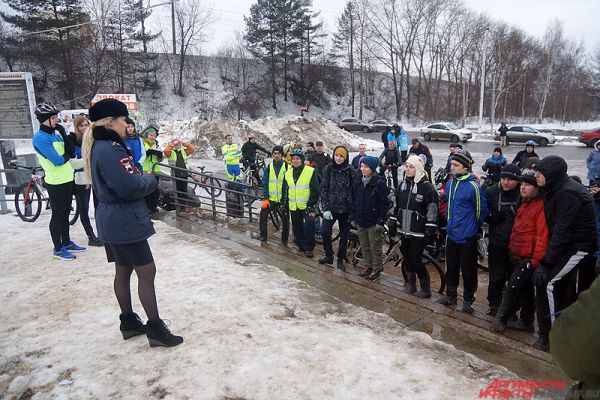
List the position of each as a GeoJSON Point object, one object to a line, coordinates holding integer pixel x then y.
{"type": "Point", "coordinates": [275, 217]}
{"type": "Point", "coordinates": [433, 264]}
{"type": "Point", "coordinates": [74, 213]}
{"type": "Point", "coordinates": [353, 252]}
{"type": "Point", "coordinates": [252, 192]}
{"type": "Point", "coordinates": [218, 188]}
{"type": "Point", "coordinates": [28, 202]}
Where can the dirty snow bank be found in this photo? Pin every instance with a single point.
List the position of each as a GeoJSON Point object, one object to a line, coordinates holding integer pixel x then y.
{"type": "Point", "coordinates": [269, 131]}
{"type": "Point", "coordinates": [250, 332]}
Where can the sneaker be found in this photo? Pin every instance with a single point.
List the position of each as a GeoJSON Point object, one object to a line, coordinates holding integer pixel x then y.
{"type": "Point", "coordinates": [63, 254]}
{"type": "Point", "coordinates": [447, 301]}
{"type": "Point", "coordinates": [542, 343]}
{"type": "Point", "coordinates": [327, 261]}
{"type": "Point", "coordinates": [73, 248]}
{"type": "Point", "coordinates": [366, 272]}
{"type": "Point", "coordinates": [376, 274]}
{"type": "Point", "coordinates": [467, 307]}
{"type": "Point", "coordinates": [498, 326]}
{"type": "Point", "coordinates": [520, 326]}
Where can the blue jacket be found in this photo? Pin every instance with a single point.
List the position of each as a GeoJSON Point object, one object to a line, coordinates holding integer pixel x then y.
{"type": "Point", "coordinates": [121, 216]}
{"type": "Point", "coordinates": [403, 140]}
{"type": "Point", "coordinates": [42, 144]}
{"type": "Point", "coordinates": [467, 208]}
{"type": "Point", "coordinates": [371, 204]}
{"type": "Point", "coordinates": [593, 165]}
{"type": "Point", "coordinates": [136, 146]}
{"type": "Point", "coordinates": [392, 137]}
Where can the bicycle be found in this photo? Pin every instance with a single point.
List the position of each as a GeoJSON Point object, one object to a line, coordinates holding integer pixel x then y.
{"type": "Point", "coordinates": [204, 180]}
{"type": "Point", "coordinates": [251, 185]}
{"type": "Point", "coordinates": [31, 194]}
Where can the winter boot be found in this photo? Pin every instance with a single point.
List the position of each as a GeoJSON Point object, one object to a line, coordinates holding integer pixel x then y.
{"type": "Point", "coordinates": [498, 326]}
{"type": "Point", "coordinates": [467, 307]}
{"type": "Point", "coordinates": [366, 272]}
{"type": "Point", "coordinates": [425, 291]}
{"type": "Point", "coordinates": [447, 301]}
{"type": "Point", "coordinates": [542, 343]}
{"type": "Point", "coordinates": [493, 310]}
{"type": "Point", "coordinates": [131, 325]}
{"type": "Point", "coordinates": [410, 286]}
{"type": "Point", "coordinates": [340, 264]}
{"type": "Point", "coordinates": [520, 326]}
{"type": "Point", "coordinates": [159, 335]}
{"type": "Point", "coordinates": [310, 254]}
{"type": "Point", "coordinates": [376, 274]}
{"type": "Point", "coordinates": [327, 261]}
{"type": "Point", "coordinates": [94, 241]}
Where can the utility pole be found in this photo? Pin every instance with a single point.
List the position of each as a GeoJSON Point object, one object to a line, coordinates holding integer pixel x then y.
{"type": "Point", "coordinates": [481, 91]}
{"type": "Point", "coordinates": [173, 26]}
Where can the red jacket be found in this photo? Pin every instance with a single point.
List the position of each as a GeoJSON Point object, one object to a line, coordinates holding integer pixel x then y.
{"type": "Point", "coordinates": [529, 236]}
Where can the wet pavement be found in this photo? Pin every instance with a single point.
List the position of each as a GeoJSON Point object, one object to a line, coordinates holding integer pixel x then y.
{"type": "Point", "coordinates": [448, 324]}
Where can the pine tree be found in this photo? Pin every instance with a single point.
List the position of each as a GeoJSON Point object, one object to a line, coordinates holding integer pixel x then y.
{"type": "Point", "coordinates": [142, 35]}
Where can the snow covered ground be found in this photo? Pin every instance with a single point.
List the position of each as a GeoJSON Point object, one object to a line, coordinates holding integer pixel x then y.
{"type": "Point", "coordinates": [251, 332]}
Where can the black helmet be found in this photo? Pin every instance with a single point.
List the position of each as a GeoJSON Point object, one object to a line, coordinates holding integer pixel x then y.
{"type": "Point", "coordinates": [45, 110]}
{"type": "Point", "coordinates": [440, 175]}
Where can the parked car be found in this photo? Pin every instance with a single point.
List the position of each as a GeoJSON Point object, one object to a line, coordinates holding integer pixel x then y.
{"type": "Point", "coordinates": [355, 124]}
{"type": "Point", "coordinates": [446, 131]}
{"type": "Point", "coordinates": [522, 133]}
{"type": "Point", "coordinates": [590, 138]}
{"type": "Point", "coordinates": [380, 125]}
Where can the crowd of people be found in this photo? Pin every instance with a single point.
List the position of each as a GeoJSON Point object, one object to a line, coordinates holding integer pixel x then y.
{"type": "Point", "coordinates": [543, 234]}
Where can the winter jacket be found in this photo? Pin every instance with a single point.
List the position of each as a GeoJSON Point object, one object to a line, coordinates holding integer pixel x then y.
{"type": "Point", "coordinates": [53, 153]}
{"type": "Point", "coordinates": [319, 161]}
{"type": "Point", "coordinates": [522, 156]}
{"type": "Point", "coordinates": [422, 149]}
{"type": "Point", "coordinates": [493, 166]}
{"type": "Point", "coordinates": [574, 342]}
{"type": "Point", "coordinates": [338, 188]}
{"type": "Point", "coordinates": [569, 210]}
{"type": "Point", "coordinates": [416, 207]}
{"type": "Point", "coordinates": [529, 235]}
{"type": "Point", "coordinates": [121, 215]}
{"type": "Point", "coordinates": [249, 151]}
{"type": "Point", "coordinates": [136, 146]}
{"type": "Point", "coordinates": [393, 138]}
{"type": "Point", "coordinates": [467, 208]}
{"type": "Point", "coordinates": [503, 130]}
{"type": "Point", "coordinates": [390, 157]}
{"type": "Point", "coordinates": [371, 204]}
{"type": "Point", "coordinates": [314, 187]}
{"type": "Point", "coordinates": [355, 161]}
{"type": "Point", "coordinates": [384, 137]}
{"type": "Point", "coordinates": [593, 164]}
{"type": "Point", "coordinates": [402, 139]}
{"type": "Point", "coordinates": [502, 209]}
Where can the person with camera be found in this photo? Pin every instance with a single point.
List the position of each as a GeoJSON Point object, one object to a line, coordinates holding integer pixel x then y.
{"type": "Point", "coordinates": [300, 193]}
{"type": "Point", "coordinates": [570, 215]}
{"type": "Point", "coordinates": [177, 153]}
{"type": "Point", "coordinates": [154, 155]}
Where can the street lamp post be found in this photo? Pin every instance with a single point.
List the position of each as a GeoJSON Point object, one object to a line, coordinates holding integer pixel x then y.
{"type": "Point", "coordinates": [482, 89]}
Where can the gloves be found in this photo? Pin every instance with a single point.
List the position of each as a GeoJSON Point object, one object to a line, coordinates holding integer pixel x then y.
{"type": "Point", "coordinates": [540, 277]}
{"type": "Point", "coordinates": [265, 204]}
{"type": "Point", "coordinates": [327, 215]}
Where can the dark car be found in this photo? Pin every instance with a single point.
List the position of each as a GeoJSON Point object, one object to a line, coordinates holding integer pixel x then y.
{"type": "Point", "coordinates": [590, 138]}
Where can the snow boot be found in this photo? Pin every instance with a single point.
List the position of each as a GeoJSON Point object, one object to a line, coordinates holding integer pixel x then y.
{"type": "Point", "coordinates": [410, 286]}
{"type": "Point", "coordinates": [310, 254]}
{"type": "Point", "coordinates": [340, 264]}
{"type": "Point", "coordinates": [376, 274]}
{"type": "Point", "coordinates": [520, 326]}
{"type": "Point", "coordinates": [131, 325]}
{"type": "Point", "coordinates": [159, 335]}
{"type": "Point", "coordinates": [366, 272]}
{"type": "Point", "coordinates": [542, 343]}
{"type": "Point", "coordinates": [327, 261]}
{"type": "Point", "coordinates": [94, 241]}
{"type": "Point", "coordinates": [425, 291]}
{"type": "Point", "coordinates": [467, 307]}
{"type": "Point", "coordinates": [447, 301]}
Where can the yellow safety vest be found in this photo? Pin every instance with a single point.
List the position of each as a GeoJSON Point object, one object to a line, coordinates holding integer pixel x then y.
{"type": "Point", "coordinates": [150, 160]}
{"type": "Point", "coordinates": [173, 157]}
{"type": "Point", "coordinates": [56, 174]}
{"type": "Point", "coordinates": [299, 192]}
{"type": "Point", "coordinates": [276, 182]}
{"type": "Point", "coordinates": [231, 154]}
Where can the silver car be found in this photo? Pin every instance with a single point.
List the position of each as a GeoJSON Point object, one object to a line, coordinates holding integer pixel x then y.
{"type": "Point", "coordinates": [445, 131]}
{"type": "Point", "coordinates": [355, 124]}
{"type": "Point", "coordinates": [522, 133]}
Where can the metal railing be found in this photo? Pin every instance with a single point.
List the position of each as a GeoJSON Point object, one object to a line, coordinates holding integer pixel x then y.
{"type": "Point", "coordinates": [223, 197]}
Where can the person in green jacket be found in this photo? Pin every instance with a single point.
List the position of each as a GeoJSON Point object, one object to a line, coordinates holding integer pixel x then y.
{"type": "Point", "coordinates": [154, 154]}
{"type": "Point", "coordinates": [575, 346]}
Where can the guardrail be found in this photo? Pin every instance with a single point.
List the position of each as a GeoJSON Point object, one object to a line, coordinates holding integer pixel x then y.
{"type": "Point", "coordinates": [193, 189]}
{"type": "Point", "coordinates": [3, 185]}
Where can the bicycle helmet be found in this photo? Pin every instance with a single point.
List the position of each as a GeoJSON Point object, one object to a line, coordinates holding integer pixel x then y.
{"type": "Point", "coordinates": [297, 152]}
{"type": "Point", "coordinates": [440, 176]}
{"type": "Point", "coordinates": [45, 110]}
{"type": "Point", "coordinates": [530, 143]}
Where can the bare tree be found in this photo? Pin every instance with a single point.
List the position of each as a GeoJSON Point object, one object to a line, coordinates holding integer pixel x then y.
{"type": "Point", "coordinates": [552, 46]}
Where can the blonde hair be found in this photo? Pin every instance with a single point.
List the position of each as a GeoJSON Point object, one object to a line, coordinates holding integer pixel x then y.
{"type": "Point", "coordinates": [80, 119]}
{"type": "Point", "coordinates": [87, 143]}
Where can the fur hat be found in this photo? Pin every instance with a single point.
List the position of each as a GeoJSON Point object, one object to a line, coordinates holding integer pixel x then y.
{"type": "Point", "coordinates": [108, 108]}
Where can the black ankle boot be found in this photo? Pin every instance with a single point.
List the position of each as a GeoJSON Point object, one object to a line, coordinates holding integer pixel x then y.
{"type": "Point", "coordinates": [94, 241]}
{"type": "Point", "coordinates": [131, 325]}
{"type": "Point", "coordinates": [159, 335]}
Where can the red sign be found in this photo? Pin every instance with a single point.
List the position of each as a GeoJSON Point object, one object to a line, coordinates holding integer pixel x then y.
{"type": "Point", "coordinates": [129, 99]}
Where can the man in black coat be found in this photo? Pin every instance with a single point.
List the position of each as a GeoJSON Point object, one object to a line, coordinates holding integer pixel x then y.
{"type": "Point", "coordinates": [419, 148]}
{"type": "Point", "coordinates": [503, 201]}
{"type": "Point", "coordinates": [570, 216]}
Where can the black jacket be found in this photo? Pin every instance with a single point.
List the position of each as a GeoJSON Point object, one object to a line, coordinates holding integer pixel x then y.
{"type": "Point", "coordinates": [416, 208]}
{"type": "Point", "coordinates": [569, 210]}
{"type": "Point", "coordinates": [320, 161]}
{"type": "Point", "coordinates": [390, 157]}
{"type": "Point", "coordinates": [249, 151]}
{"type": "Point", "coordinates": [422, 149]}
{"type": "Point", "coordinates": [502, 208]}
{"type": "Point", "coordinates": [522, 157]}
{"type": "Point", "coordinates": [313, 198]}
{"type": "Point", "coordinates": [338, 188]}
{"type": "Point", "coordinates": [371, 204]}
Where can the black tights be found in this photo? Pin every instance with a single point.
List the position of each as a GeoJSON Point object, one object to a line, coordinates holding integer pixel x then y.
{"type": "Point", "coordinates": [145, 274]}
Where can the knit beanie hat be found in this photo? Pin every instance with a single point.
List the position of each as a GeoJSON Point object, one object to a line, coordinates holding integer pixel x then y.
{"type": "Point", "coordinates": [341, 150]}
{"type": "Point", "coordinates": [278, 148]}
{"type": "Point", "coordinates": [371, 162]}
{"type": "Point", "coordinates": [498, 149]}
{"type": "Point", "coordinates": [462, 158]}
{"type": "Point", "coordinates": [511, 171]}
{"type": "Point", "coordinates": [108, 108]}
{"type": "Point", "coordinates": [529, 177]}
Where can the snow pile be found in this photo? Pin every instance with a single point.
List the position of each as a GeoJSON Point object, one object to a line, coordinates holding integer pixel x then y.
{"type": "Point", "coordinates": [269, 131]}
{"type": "Point", "coordinates": [251, 332]}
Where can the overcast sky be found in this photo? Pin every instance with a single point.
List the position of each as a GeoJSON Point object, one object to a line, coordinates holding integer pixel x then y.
{"type": "Point", "coordinates": [579, 16]}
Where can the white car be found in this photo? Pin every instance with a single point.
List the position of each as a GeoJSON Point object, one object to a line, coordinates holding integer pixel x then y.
{"type": "Point", "coordinates": [522, 134]}
{"type": "Point", "coordinates": [446, 131]}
